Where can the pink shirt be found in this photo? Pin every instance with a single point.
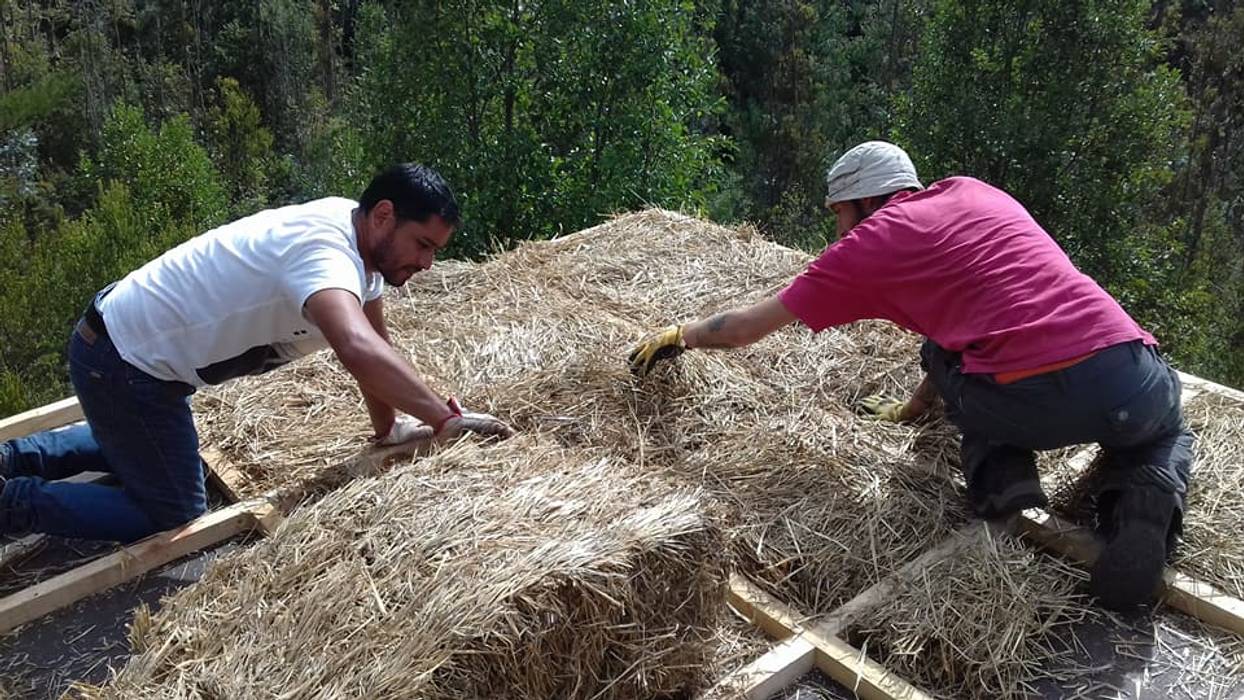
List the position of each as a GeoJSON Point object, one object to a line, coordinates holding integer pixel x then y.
{"type": "Point", "coordinates": [965, 265]}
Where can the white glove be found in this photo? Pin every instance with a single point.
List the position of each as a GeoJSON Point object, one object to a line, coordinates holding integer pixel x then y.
{"type": "Point", "coordinates": [484, 424]}
{"type": "Point", "coordinates": [405, 429]}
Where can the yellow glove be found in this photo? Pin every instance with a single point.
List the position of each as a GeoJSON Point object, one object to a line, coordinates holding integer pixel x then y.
{"type": "Point", "coordinates": [665, 344]}
{"type": "Point", "coordinates": [883, 408]}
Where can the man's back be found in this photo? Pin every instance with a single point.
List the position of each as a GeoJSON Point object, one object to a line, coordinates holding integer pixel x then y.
{"type": "Point", "coordinates": [964, 264]}
{"type": "Point", "coordinates": [229, 302]}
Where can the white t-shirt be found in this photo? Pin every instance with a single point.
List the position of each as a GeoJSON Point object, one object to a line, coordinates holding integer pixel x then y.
{"type": "Point", "coordinates": [229, 302]}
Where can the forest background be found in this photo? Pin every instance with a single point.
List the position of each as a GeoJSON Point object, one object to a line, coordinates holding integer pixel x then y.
{"type": "Point", "coordinates": [127, 126]}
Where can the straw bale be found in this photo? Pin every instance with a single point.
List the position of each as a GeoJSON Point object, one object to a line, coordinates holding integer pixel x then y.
{"type": "Point", "coordinates": [1212, 548]}
{"type": "Point", "coordinates": [987, 623]}
{"type": "Point", "coordinates": [518, 569]}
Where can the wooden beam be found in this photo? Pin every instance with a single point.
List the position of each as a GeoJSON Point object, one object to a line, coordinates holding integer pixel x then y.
{"type": "Point", "coordinates": [127, 563]}
{"type": "Point", "coordinates": [53, 415]}
{"type": "Point", "coordinates": [768, 673]}
{"type": "Point", "coordinates": [1203, 601]}
{"type": "Point", "coordinates": [1195, 382]}
{"type": "Point", "coordinates": [834, 656]}
{"type": "Point", "coordinates": [774, 617]}
{"type": "Point", "coordinates": [751, 680]}
{"type": "Point", "coordinates": [860, 674]}
{"type": "Point", "coordinates": [223, 475]}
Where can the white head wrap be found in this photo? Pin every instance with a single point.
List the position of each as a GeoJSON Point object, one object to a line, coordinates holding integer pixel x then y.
{"type": "Point", "coordinates": [871, 169]}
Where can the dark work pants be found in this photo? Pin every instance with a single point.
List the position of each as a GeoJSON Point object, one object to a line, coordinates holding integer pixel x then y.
{"type": "Point", "coordinates": [1125, 398]}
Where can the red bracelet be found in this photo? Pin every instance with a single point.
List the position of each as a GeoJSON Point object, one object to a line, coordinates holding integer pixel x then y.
{"type": "Point", "coordinates": [455, 412]}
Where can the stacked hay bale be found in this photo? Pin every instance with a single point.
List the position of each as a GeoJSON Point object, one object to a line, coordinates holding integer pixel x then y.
{"type": "Point", "coordinates": [520, 569]}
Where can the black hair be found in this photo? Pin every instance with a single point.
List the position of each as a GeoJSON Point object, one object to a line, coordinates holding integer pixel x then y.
{"type": "Point", "coordinates": [417, 192]}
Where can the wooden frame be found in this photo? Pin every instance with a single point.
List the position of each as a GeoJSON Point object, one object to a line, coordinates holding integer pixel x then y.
{"type": "Point", "coordinates": [807, 647]}
{"type": "Point", "coordinates": [53, 415]}
{"type": "Point", "coordinates": [130, 562]}
{"type": "Point", "coordinates": [798, 651]}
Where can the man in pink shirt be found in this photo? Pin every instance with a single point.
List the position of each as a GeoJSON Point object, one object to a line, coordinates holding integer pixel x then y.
{"type": "Point", "coordinates": [1026, 352]}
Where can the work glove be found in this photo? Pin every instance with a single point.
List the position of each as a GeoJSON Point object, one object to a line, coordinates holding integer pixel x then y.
{"type": "Point", "coordinates": [883, 408]}
{"type": "Point", "coordinates": [665, 344]}
{"type": "Point", "coordinates": [479, 423]}
{"type": "Point", "coordinates": [405, 429]}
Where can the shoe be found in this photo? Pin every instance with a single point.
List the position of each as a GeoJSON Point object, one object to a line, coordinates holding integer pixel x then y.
{"type": "Point", "coordinates": [1137, 530]}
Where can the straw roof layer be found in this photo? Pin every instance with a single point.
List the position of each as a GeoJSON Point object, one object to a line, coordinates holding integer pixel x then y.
{"type": "Point", "coordinates": [518, 566]}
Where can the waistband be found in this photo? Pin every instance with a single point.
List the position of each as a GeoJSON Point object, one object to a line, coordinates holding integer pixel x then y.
{"type": "Point", "coordinates": [91, 316]}
{"type": "Point", "coordinates": [1016, 375]}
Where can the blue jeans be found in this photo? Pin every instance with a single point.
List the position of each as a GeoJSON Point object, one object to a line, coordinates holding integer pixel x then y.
{"type": "Point", "coordinates": [139, 428]}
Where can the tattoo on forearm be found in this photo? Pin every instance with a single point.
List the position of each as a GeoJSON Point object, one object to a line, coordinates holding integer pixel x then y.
{"type": "Point", "coordinates": [714, 325]}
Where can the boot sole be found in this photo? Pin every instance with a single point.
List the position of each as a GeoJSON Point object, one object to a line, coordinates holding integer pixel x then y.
{"type": "Point", "coordinates": [1130, 567]}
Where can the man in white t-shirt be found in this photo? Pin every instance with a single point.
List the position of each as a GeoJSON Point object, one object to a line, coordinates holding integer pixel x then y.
{"type": "Point", "coordinates": [241, 299]}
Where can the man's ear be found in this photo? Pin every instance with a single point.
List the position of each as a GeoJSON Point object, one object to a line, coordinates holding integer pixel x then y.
{"type": "Point", "coordinates": [382, 213]}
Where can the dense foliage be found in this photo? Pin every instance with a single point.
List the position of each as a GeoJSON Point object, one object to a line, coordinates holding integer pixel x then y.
{"type": "Point", "coordinates": [128, 126]}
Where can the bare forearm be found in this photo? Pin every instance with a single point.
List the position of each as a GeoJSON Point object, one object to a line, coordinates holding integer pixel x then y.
{"type": "Point", "coordinates": [388, 382]}
{"type": "Point", "coordinates": [921, 400]}
{"type": "Point", "coordinates": [738, 327]}
{"type": "Point", "coordinates": [723, 330]}
{"type": "Point", "coordinates": [382, 414]}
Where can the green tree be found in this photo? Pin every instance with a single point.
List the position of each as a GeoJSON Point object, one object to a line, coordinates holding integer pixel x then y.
{"type": "Point", "coordinates": [1070, 107]}
{"type": "Point", "coordinates": [241, 147]}
{"type": "Point", "coordinates": [806, 80]}
{"type": "Point", "coordinates": [1206, 196]}
{"type": "Point", "coordinates": [170, 176]}
{"type": "Point", "coordinates": [543, 115]}
{"type": "Point", "coordinates": [156, 189]}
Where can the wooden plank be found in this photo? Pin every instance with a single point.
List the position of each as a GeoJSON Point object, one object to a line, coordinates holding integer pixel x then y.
{"type": "Point", "coordinates": [860, 674]}
{"type": "Point", "coordinates": [768, 673]}
{"type": "Point", "coordinates": [750, 678]}
{"type": "Point", "coordinates": [1203, 601]}
{"type": "Point", "coordinates": [53, 415]}
{"type": "Point", "coordinates": [127, 563]}
{"type": "Point", "coordinates": [838, 659]}
{"type": "Point", "coordinates": [1196, 382]}
{"type": "Point", "coordinates": [774, 617]}
{"type": "Point", "coordinates": [223, 475]}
